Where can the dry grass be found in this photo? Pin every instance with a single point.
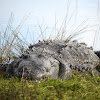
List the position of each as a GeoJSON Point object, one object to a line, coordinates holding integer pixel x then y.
{"type": "Point", "coordinates": [11, 44]}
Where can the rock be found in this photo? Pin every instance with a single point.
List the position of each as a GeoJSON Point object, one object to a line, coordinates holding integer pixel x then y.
{"type": "Point", "coordinates": [55, 59]}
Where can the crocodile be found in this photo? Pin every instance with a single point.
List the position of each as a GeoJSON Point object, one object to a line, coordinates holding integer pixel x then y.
{"type": "Point", "coordinates": [54, 59]}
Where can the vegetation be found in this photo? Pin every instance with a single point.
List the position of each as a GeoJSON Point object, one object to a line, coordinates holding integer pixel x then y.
{"type": "Point", "coordinates": [79, 87]}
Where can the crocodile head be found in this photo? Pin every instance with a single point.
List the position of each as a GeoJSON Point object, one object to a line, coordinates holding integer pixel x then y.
{"type": "Point", "coordinates": [35, 67]}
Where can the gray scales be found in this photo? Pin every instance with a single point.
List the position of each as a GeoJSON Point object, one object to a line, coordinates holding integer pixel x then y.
{"type": "Point", "coordinates": [54, 59]}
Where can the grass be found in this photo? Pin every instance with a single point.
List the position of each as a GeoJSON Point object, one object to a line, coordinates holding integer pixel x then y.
{"type": "Point", "coordinates": [11, 45]}
{"type": "Point", "coordinates": [79, 87]}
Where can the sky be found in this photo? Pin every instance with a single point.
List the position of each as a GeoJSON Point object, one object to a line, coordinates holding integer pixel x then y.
{"type": "Point", "coordinates": [45, 13]}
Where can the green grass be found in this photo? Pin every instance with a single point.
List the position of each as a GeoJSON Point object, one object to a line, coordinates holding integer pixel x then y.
{"type": "Point", "coordinates": [79, 87]}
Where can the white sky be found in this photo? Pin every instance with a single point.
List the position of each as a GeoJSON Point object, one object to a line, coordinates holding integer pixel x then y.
{"type": "Point", "coordinates": [45, 11]}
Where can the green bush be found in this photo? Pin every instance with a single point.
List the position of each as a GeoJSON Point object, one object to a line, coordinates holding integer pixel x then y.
{"type": "Point", "coordinates": [79, 87]}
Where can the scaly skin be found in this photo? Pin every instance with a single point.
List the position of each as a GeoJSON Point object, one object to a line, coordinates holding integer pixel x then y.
{"type": "Point", "coordinates": [55, 58]}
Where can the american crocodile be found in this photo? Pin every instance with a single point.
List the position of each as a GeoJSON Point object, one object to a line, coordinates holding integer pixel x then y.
{"type": "Point", "coordinates": [53, 58]}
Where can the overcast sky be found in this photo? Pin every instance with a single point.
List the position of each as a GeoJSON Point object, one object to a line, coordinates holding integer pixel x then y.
{"type": "Point", "coordinates": [49, 12]}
